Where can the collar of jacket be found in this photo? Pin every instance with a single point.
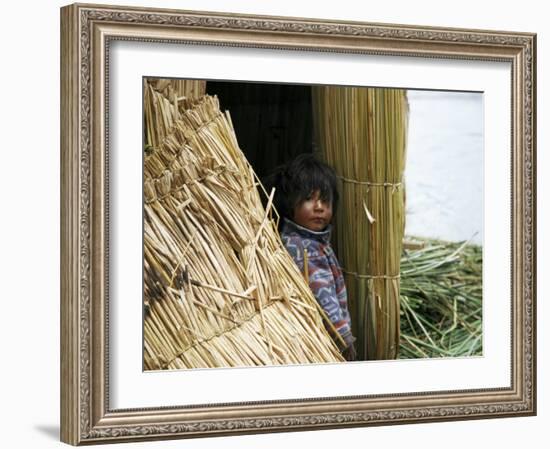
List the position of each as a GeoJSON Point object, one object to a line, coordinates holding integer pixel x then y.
{"type": "Point", "coordinates": [321, 236]}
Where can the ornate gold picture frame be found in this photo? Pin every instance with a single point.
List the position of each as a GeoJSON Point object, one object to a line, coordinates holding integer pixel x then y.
{"type": "Point", "coordinates": [87, 412]}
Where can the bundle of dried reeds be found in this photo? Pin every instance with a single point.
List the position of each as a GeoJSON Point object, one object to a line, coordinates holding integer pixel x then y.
{"type": "Point", "coordinates": [188, 88]}
{"type": "Point", "coordinates": [220, 288]}
{"type": "Point", "coordinates": [362, 134]}
{"type": "Point", "coordinates": [164, 101]}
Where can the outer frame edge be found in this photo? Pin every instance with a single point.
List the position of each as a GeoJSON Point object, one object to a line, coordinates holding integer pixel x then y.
{"type": "Point", "coordinates": [70, 318]}
{"type": "Point", "coordinates": [69, 131]}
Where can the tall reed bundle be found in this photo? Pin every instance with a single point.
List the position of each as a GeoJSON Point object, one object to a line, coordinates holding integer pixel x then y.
{"type": "Point", "coordinates": [362, 134]}
{"type": "Point", "coordinates": [220, 288]}
{"type": "Point", "coordinates": [164, 101]}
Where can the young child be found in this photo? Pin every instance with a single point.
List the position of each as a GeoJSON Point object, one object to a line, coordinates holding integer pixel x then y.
{"type": "Point", "coordinates": [306, 197]}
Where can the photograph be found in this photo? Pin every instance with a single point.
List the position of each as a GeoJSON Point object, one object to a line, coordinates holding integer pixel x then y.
{"type": "Point", "coordinates": [290, 224]}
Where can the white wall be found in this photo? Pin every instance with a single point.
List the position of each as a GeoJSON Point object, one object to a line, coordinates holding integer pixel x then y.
{"type": "Point", "coordinates": [29, 144]}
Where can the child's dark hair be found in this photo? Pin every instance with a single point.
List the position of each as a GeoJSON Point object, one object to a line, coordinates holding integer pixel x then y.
{"type": "Point", "coordinates": [297, 180]}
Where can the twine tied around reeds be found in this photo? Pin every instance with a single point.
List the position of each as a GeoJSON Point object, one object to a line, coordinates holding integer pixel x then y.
{"type": "Point", "coordinates": [393, 185]}
{"type": "Point", "coordinates": [371, 276]}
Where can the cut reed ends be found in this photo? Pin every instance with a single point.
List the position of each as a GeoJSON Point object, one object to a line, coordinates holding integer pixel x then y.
{"type": "Point", "coordinates": [164, 101]}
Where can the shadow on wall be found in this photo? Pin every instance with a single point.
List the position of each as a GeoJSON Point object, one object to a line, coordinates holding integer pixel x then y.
{"type": "Point", "coordinates": [51, 431]}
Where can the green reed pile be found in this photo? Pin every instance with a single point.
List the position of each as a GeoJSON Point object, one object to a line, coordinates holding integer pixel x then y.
{"type": "Point", "coordinates": [441, 300]}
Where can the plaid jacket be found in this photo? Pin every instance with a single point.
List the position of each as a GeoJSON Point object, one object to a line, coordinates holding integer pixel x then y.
{"type": "Point", "coordinates": [325, 275]}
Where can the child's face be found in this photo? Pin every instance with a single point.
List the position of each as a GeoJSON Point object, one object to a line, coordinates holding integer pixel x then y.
{"type": "Point", "coordinates": [313, 213]}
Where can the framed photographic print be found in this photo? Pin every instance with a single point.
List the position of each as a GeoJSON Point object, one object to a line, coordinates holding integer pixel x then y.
{"type": "Point", "coordinates": [279, 224]}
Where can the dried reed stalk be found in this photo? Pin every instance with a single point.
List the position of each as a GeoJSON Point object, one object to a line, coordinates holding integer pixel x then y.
{"type": "Point", "coordinates": [362, 134]}
{"type": "Point", "coordinates": [220, 288]}
{"type": "Point", "coordinates": [164, 101]}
